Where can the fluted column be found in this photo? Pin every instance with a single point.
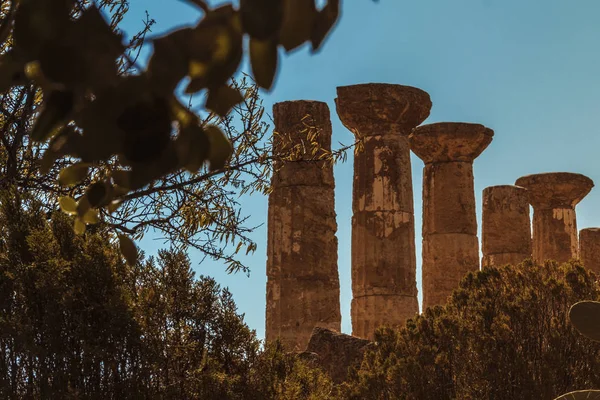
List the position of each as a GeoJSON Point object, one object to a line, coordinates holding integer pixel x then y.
{"type": "Point", "coordinates": [554, 196]}
{"type": "Point", "coordinates": [506, 226]}
{"type": "Point", "coordinates": [383, 246]}
{"type": "Point", "coordinates": [302, 277]}
{"type": "Point", "coordinates": [450, 244]}
{"type": "Point", "coordinates": [589, 248]}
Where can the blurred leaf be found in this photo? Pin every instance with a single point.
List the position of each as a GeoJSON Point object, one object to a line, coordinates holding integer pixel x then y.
{"type": "Point", "coordinates": [39, 22]}
{"type": "Point", "coordinates": [581, 395]}
{"type": "Point", "coordinates": [56, 107]}
{"type": "Point", "coordinates": [169, 62]}
{"type": "Point", "coordinates": [585, 317]}
{"type": "Point", "coordinates": [263, 57]}
{"type": "Point", "coordinates": [96, 194]}
{"type": "Point", "coordinates": [98, 47]}
{"type": "Point", "coordinates": [192, 147]}
{"type": "Point", "coordinates": [121, 178]}
{"type": "Point", "coordinates": [324, 21]}
{"type": "Point", "coordinates": [83, 206]}
{"type": "Point", "coordinates": [64, 142]}
{"type": "Point", "coordinates": [11, 71]}
{"type": "Point", "coordinates": [113, 205]}
{"type": "Point", "coordinates": [298, 19]}
{"type": "Point", "coordinates": [183, 115]}
{"type": "Point", "coordinates": [68, 205]}
{"type": "Point", "coordinates": [73, 174]}
{"type": "Point", "coordinates": [79, 226]}
{"type": "Point", "coordinates": [128, 249]}
{"type": "Point", "coordinates": [215, 49]}
{"type": "Point", "coordinates": [220, 147]}
{"type": "Point", "coordinates": [91, 217]}
{"type": "Point", "coordinates": [261, 19]}
{"type": "Point", "coordinates": [222, 99]}
{"type": "Point", "coordinates": [147, 129]}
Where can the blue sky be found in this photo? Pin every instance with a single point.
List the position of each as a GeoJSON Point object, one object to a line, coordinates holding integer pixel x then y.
{"type": "Point", "coordinates": [527, 69]}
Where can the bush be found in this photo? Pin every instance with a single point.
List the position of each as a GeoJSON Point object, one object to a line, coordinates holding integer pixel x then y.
{"type": "Point", "coordinates": [503, 334]}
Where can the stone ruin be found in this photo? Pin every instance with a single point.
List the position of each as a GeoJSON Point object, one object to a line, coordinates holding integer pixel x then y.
{"type": "Point", "coordinates": [303, 293]}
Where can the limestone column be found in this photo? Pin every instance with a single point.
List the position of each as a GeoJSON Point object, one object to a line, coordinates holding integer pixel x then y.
{"type": "Point", "coordinates": [554, 197]}
{"type": "Point", "coordinates": [450, 244]}
{"type": "Point", "coordinates": [589, 248]}
{"type": "Point", "coordinates": [506, 225]}
{"type": "Point", "coordinates": [384, 287]}
{"type": "Point", "coordinates": [303, 289]}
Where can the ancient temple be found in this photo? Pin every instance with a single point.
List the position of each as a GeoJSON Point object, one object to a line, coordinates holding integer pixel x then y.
{"type": "Point", "coordinates": [303, 291]}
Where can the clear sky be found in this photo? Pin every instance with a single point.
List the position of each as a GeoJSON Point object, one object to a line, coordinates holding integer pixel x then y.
{"type": "Point", "coordinates": [527, 69]}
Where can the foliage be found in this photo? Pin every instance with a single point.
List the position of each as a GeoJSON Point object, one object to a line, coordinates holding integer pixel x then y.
{"type": "Point", "coordinates": [504, 334]}
{"type": "Point", "coordinates": [585, 317]}
{"type": "Point", "coordinates": [76, 322]}
{"type": "Point", "coordinates": [186, 202]}
{"type": "Point", "coordinates": [133, 126]}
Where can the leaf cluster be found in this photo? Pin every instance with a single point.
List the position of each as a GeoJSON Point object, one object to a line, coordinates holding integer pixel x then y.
{"type": "Point", "coordinates": [133, 124]}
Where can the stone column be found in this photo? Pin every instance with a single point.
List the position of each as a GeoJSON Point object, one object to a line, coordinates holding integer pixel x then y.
{"type": "Point", "coordinates": [506, 227]}
{"type": "Point", "coordinates": [384, 287]}
{"type": "Point", "coordinates": [589, 248]}
{"type": "Point", "coordinates": [450, 244]}
{"type": "Point", "coordinates": [303, 289]}
{"type": "Point", "coordinates": [553, 197]}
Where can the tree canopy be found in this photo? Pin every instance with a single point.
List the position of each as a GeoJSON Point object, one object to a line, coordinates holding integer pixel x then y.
{"type": "Point", "coordinates": [504, 334]}
{"type": "Point", "coordinates": [85, 126]}
{"type": "Point", "coordinates": [76, 322]}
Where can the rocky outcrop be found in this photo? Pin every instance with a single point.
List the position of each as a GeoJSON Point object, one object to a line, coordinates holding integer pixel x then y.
{"type": "Point", "coordinates": [337, 352]}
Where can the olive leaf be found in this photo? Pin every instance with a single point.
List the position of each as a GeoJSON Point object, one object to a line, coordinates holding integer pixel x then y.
{"type": "Point", "coordinates": [220, 147]}
{"type": "Point", "coordinates": [169, 62]}
{"type": "Point", "coordinates": [324, 21]}
{"type": "Point", "coordinates": [68, 204]}
{"type": "Point", "coordinates": [73, 174]}
{"type": "Point", "coordinates": [222, 99]}
{"type": "Point", "coordinates": [298, 19]}
{"type": "Point", "coordinates": [91, 217]}
{"type": "Point", "coordinates": [263, 58]}
{"type": "Point", "coordinates": [261, 19]}
{"type": "Point", "coordinates": [56, 107]}
{"type": "Point", "coordinates": [97, 194]}
{"type": "Point", "coordinates": [79, 226]}
{"type": "Point", "coordinates": [192, 147]}
{"type": "Point", "coordinates": [12, 71]}
{"type": "Point", "coordinates": [585, 317]}
{"type": "Point", "coordinates": [128, 249]}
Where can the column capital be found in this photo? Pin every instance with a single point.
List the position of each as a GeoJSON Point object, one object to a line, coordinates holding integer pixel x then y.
{"type": "Point", "coordinates": [450, 141]}
{"type": "Point", "coordinates": [381, 109]}
{"type": "Point", "coordinates": [556, 189]}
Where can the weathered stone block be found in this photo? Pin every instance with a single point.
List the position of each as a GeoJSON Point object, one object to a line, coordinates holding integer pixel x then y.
{"type": "Point", "coordinates": [296, 306]}
{"type": "Point", "coordinates": [371, 312]}
{"type": "Point", "coordinates": [383, 254]}
{"type": "Point", "coordinates": [555, 234]}
{"type": "Point", "coordinates": [382, 175]}
{"type": "Point", "coordinates": [589, 248]}
{"type": "Point", "coordinates": [449, 198]}
{"type": "Point", "coordinates": [501, 259]}
{"type": "Point", "coordinates": [337, 352]}
{"type": "Point", "coordinates": [506, 226]}
{"type": "Point", "coordinates": [447, 258]}
{"type": "Point", "coordinates": [301, 241]}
